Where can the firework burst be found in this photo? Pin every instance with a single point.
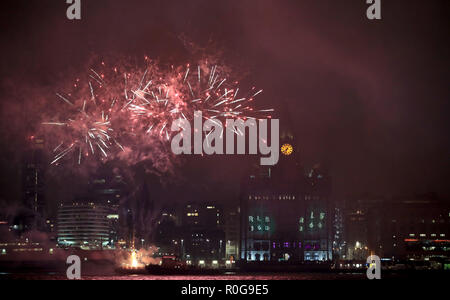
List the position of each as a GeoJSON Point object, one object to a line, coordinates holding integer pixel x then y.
{"type": "Point", "coordinates": [125, 111]}
{"type": "Point", "coordinates": [181, 91]}
{"type": "Point", "coordinates": [87, 127]}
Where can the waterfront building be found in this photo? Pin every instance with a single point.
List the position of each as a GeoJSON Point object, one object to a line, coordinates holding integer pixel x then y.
{"type": "Point", "coordinates": [285, 211]}
{"type": "Point", "coordinates": [408, 228]}
{"type": "Point", "coordinates": [231, 229]}
{"type": "Point", "coordinates": [85, 225]}
{"type": "Point", "coordinates": [203, 236]}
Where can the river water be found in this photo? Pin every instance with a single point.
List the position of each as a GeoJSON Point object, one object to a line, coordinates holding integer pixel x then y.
{"type": "Point", "coordinates": [258, 276]}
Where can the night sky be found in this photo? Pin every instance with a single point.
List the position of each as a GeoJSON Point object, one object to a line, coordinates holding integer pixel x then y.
{"type": "Point", "coordinates": [368, 98]}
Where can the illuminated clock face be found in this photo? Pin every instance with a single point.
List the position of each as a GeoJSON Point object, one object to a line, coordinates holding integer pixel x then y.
{"type": "Point", "coordinates": [287, 149]}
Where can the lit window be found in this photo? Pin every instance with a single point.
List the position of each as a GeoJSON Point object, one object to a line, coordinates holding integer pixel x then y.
{"type": "Point", "coordinates": [250, 219]}
{"type": "Point", "coordinates": [302, 220]}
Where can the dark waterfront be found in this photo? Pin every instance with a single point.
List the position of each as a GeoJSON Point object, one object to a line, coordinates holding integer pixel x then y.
{"type": "Point", "coordinates": [415, 275]}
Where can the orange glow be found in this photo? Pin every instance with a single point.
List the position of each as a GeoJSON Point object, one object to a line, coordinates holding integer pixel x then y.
{"type": "Point", "coordinates": [134, 262]}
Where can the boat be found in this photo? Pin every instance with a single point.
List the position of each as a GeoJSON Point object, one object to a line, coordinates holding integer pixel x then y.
{"type": "Point", "coordinates": [170, 265]}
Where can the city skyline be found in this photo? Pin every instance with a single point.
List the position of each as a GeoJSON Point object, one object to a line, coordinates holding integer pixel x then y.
{"type": "Point", "coordinates": [202, 137]}
{"type": "Point", "coordinates": [369, 144]}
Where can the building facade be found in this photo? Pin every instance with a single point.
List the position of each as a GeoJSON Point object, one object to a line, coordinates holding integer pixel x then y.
{"type": "Point", "coordinates": [85, 225]}
{"type": "Point", "coordinates": [285, 211]}
{"type": "Point", "coordinates": [203, 237]}
{"type": "Point", "coordinates": [415, 228]}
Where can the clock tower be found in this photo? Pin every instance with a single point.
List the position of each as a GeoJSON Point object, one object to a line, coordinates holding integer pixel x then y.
{"type": "Point", "coordinates": [288, 168]}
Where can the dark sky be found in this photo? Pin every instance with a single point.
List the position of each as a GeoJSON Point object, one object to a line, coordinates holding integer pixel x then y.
{"type": "Point", "coordinates": [370, 98]}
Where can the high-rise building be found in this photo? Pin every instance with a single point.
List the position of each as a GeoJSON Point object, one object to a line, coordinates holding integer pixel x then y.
{"type": "Point", "coordinates": [33, 175]}
{"type": "Point", "coordinates": [231, 229]}
{"type": "Point", "coordinates": [208, 215]}
{"type": "Point", "coordinates": [85, 225]}
{"type": "Point", "coordinates": [356, 229]}
{"type": "Point", "coordinates": [203, 237]}
{"type": "Point", "coordinates": [338, 228]}
{"type": "Point", "coordinates": [168, 235]}
{"type": "Point", "coordinates": [108, 191]}
{"type": "Point", "coordinates": [32, 212]}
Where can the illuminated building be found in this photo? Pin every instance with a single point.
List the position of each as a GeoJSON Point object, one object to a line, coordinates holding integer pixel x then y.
{"type": "Point", "coordinates": [398, 228]}
{"type": "Point", "coordinates": [168, 232]}
{"type": "Point", "coordinates": [416, 228]}
{"type": "Point", "coordinates": [84, 224]}
{"type": "Point", "coordinates": [231, 229]}
{"type": "Point", "coordinates": [285, 212]}
{"type": "Point", "coordinates": [108, 192]}
{"type": "Point", "coordinates": [203, 236]}
{"type": "Point", "coordinates": [202, 215]}
{"type": "Point", "coordinates": [356, 230]}
{"type": "Point", "coordinates": [338, 239]}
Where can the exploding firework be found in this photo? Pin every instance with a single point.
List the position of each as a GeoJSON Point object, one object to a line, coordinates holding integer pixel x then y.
{"type": "Point", "coordinates": [126, 111]}
{"type": "Point", "coordinates": [155, 103]}
{"type": "Point", "coordinates": [87, 126]}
